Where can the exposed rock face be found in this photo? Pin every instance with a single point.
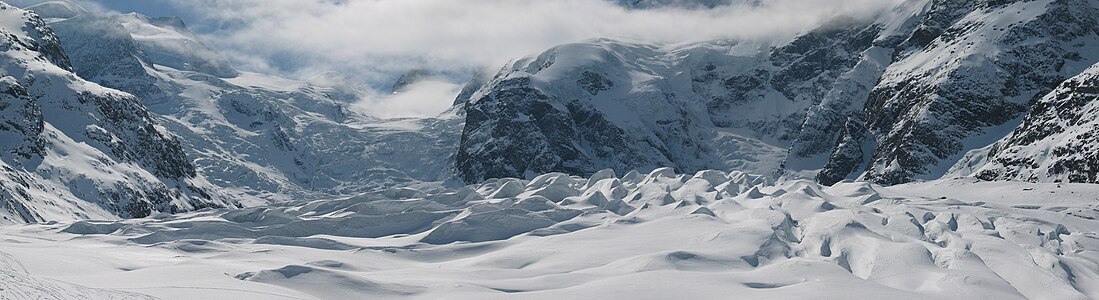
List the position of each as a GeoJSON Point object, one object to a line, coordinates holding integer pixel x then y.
{"type": "Point", "coordinates": [475, 83]}
{"type": "Point", "coordinates": [1056, 141]}
{"type": "Point", "coordinates": [70, 143]}
{"type": "Point", "coordinates": [848, 153]}
{"type": "Point", "coordinates": [21, 122]}
{"type": "Point", "coordinates": [409, 78]}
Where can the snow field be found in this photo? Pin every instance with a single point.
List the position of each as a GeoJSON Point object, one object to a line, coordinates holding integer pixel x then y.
{"type": "Point", "coordinates": [661, 235]}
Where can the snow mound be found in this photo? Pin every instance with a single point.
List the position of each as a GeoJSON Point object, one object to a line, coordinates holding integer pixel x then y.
{"type": "Point", "coordinates": [659, 235]}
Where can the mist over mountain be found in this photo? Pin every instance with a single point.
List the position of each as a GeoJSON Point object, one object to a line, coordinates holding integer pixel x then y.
{"type": "Point", "coordinates": [549, 149]}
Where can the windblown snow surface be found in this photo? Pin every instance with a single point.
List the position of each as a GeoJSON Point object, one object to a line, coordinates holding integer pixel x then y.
{"type": "Point", "coordinates": [657, 236]}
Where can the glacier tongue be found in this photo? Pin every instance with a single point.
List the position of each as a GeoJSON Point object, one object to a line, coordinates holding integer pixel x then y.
{"type": "Point", "coordinates": [706, 235]}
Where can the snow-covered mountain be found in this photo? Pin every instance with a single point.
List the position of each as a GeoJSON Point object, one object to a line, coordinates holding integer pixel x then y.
{"type": "Point", "coordinates": [408, 79]}
{"type": "Point", "coordinates": [258, 137]}
{"type": "Point", "coordinates": [890, 98]}
{"type": "Point", "coordinates": [582, 107]}
{"type": "Point", "coordinates": [722, 104]}
{"type": "Point", "coordinates": [960, 80]}
{"type": "Point", "coordinates": [135, 148]}
{"type": "Point", "coordinates": [74, 149]}
{"type": "Point", "coordinates": [1055, 142]}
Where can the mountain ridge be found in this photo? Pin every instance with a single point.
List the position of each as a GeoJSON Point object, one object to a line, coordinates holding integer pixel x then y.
{"type": "Point", "coordinates": [888, 99]}
{"type": "Point", "coordinates": [73, 142]}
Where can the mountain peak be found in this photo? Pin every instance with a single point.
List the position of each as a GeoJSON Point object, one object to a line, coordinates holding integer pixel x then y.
{"type": "Point", "coordinates": [62, 9]}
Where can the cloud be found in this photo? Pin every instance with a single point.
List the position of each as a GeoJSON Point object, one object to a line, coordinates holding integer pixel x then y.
{"type": "Point", "coordinates": [377, 39]}
{"type": "Point", "coordinates": [424, 98]}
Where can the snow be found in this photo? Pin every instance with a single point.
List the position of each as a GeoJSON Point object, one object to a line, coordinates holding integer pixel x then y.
{"type": "Point", "coordinates": [648, 96]}
{"type": "Point", "coordinates": [168, 42]}
{"type": "Point", "coordinates": [972, 49]}
{"type": "Point", "coordinates": [346, 205]}
{"type": "Point", "coordinates": [1055, 143]}
{"type": "Point", "coordinates": [56, 9]}
{"type": "Point", "coordinates": [264, 81]}
{"type": "Point", "coordinates": [12, 21]}
{"type": "Point", "coordinates": [258, 137]}
{"type": "Point", "coordinates": [76, 149]}
{"type": "Point", "coordinates": [266, 138]}
{"type": "Point", "coordinates": [664, 235]}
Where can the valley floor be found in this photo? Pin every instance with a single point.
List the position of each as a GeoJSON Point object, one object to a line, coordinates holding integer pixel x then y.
{"type": "Point", "coordinates": [660, 236]}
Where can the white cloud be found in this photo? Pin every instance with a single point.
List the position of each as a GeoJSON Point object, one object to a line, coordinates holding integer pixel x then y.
{"type": "Point", "coordinates": [424, 98]}
{"type": "Point", "coordinates": [374, 41]}
{"type": "Point", "coordinates": [376, 38]}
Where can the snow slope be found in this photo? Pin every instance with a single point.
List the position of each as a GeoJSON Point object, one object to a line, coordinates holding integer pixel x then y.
{"type": "Point", "coordinates": [582, 107]}
{"type": "Point", "coordinates": [967, 87]}
{"type": "Point", "coordinates": [660, 235]}
{"type": "Point", "coordinates": [890, 98]}
{"type": "Point", "coordinates": [1055, 143]}
{"type": "Point", "coordinates": [258, 137]}
{"type": "Point", "coordinates": [74, 149]}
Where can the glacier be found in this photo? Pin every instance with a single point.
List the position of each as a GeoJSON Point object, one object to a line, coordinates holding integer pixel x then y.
{"type": "Point", "coordinates": [259, 138]}
{"type": "Point", "coordinates": [940, 149]}
{"type": "Point", "coordinates": [656, 235]}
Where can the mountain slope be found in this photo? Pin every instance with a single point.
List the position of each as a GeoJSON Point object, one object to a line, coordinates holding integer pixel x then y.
{"type": "Point", "coordinates": [261, 138]}
{"type": "Point", "coordinates": [582, 107]}
{"type": "Point", "coordinates": [1056, 141]}
{"type": "Point", "coordinates": [958, 91]}
{"type": "Point", "coordinates": [77, 150]}
{"type": "Point", "coordinates": [890, 98]}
